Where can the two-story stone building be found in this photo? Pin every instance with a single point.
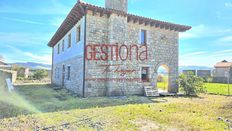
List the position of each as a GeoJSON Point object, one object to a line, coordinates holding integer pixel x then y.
{"type": "Point", "coordinates": [112, 29]}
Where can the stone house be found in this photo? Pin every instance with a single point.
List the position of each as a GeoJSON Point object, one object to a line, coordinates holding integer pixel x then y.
{"type": "Point", "coordinates": [222, 71]}
{"type": "Point", "coordinates": [2, 63]}
{"type": "Point", "coordinates": [95, 50]}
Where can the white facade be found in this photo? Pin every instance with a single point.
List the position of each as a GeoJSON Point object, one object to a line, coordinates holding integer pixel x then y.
{"type": "Point", "coordinates": [68, 62]}
{"type": "Point", "coordinates": [76, 48]}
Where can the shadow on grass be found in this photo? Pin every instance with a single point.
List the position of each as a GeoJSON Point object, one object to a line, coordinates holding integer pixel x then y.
{"type": "Point", "coordinates": [45, 99]}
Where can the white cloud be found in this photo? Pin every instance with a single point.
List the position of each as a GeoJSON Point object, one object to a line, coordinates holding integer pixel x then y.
{"type": "Point", "coordinates": [24, 21]}
{"type": "Point", "coordinates": [193, 54]}
{"type": "Point", "coordinates": [45, 59]}
{"type": "Point", "coordinates": [228, 4]}
{"type": "Point", "coordinates": [25, 38]}
{"type": "Point", "coordinates": [202, 58]}
{"type": "Point", "coordinates": [52, 7]}
{"type": "Point", "coordinates": [201, 31]}
{"type": "Point", "coordinates": [26, 56]}
{"type": "Point", "coordinates": [226, 39]}
{"type": "Point", "coordinates": [57, 21]}
{"type": "Point", "coordinates": [187, 35]}
{"type": "Point", "coordinates": [224, 51]}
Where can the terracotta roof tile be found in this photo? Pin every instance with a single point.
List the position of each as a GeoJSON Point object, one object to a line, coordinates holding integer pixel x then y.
{"type": "Point", "coordinates": [80, 9]}
{"type": "Point", "coordinates": [223, 65]}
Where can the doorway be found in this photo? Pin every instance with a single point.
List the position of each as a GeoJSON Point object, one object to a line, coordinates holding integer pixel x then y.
{"type": "Point", "coordinates": [163, 78]}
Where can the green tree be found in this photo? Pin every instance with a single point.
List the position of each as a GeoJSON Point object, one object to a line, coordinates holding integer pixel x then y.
{"type": "Point", "coordinates": [20, 71]}
{"type": "Point", "coordinates": [191, 84]}
{"type": "Point", "coordinates": [40, 74]}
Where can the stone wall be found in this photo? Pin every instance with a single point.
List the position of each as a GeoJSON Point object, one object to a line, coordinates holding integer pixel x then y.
{"type": "Point", "coordinates": [75, 83]}
{"type": "Point", "coordinates": [162, 51]}
{"type": "Point", "coordinates": [117, 4]}
{"type": "Point", "coordinates": [97, 33]}
{"type": "Point", "coordinates": [219, 75]}
{"type": "Point", "coordinates": [8, 74]}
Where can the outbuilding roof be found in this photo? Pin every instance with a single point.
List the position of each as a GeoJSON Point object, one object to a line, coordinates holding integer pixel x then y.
{"type": "Point", "coordinates": [80, 9]}
{"type": "Point", "coordinates": [223, 64]}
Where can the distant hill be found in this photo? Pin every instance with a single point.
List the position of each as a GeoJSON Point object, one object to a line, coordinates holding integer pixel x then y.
{"type": "Point", "coordinates": [33, 65]}
{"type": "Point", "coordinates": [181, 68]}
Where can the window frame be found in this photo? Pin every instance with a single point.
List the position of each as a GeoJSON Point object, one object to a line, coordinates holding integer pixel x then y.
{"type": "Point", "coordinates": [62, 45]}
{"type": "Point", "coordinates": [69, 40]}
{"type": "Point", "coordinates": [143, 37]}
{"type": "Point", "coordinates": [147, 79]}
{"type": "Point", "coordinates": [58, 48]}
{"type": "Point", "coordinates": [68, 72]}
{"type": "Point", "coordinates": [58, 73]}
{"type": "Point", "coordinates": [78, 34]}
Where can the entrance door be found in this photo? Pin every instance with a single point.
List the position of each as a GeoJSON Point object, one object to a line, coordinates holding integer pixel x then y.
{"type": "Point", "coordinates": [63, 75]}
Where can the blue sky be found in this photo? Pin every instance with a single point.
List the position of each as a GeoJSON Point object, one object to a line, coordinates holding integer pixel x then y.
{"type": "Point", "coordinates": [26, 26]}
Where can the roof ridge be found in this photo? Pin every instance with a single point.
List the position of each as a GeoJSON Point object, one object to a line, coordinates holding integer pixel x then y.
{"type": "Point", "coordinates": [80, 8]}
{"type": "Point", "coordinates": [136, 15]}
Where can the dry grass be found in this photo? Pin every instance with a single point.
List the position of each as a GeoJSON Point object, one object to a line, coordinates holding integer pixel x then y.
{"type": "Point", "coordinates": [130, 113]}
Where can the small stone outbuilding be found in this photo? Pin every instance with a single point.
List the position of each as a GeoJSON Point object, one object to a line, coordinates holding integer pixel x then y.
{"type": "Point", "coordinates": [222, 71]}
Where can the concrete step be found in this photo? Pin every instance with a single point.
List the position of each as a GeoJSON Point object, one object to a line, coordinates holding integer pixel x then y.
{"type": "Point", "coordinates": [150, 91]}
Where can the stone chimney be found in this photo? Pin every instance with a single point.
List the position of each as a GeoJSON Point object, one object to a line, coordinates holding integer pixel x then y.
{"type": "Point", "coordinates": [120, 5]}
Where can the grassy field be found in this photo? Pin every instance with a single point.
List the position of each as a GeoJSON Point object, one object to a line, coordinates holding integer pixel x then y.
{"type": "Point", "coordinates": [41, 98]}
{"type": "Point", "coordinates": [162, 85]}
{"type": "Point", "coordinates": [59, 109]}
{"type": "Point", "coordinates": [216, 88]}
{"type": "Point", "coordinates": [211, 88]}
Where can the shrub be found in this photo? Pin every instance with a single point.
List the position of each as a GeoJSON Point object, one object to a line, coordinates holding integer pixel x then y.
{"type": "Point", "coordinates": [191, 84]}
{"type": "Point", "coordinates": [208, 79]}
{"type": "Point", "coordinates": [40, 74]}
{"type": "Point", "coordinates": [160, 78]}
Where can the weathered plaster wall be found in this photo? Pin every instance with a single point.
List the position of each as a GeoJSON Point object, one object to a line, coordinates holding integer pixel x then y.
{"type": "Point", "coordinates": [75, 50]}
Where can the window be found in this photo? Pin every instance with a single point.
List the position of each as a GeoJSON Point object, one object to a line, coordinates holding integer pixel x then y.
{"type": "Point", "coordinates": [145, 74]}
{"type": "Point", "coordinates": [143, 37]}
{"type": "Point", "coordinates": [78, 35]}
{"type": "Point", "coordinates": [56, 73]}
{"type": "Point", "coordinates": [69, 71]}
{"type": "Point", "coordinates": [58, 49]}
{"type": "Point", "coordinates": [69, 41]}
{"type": "Point", "coordinates": [63, 45]}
